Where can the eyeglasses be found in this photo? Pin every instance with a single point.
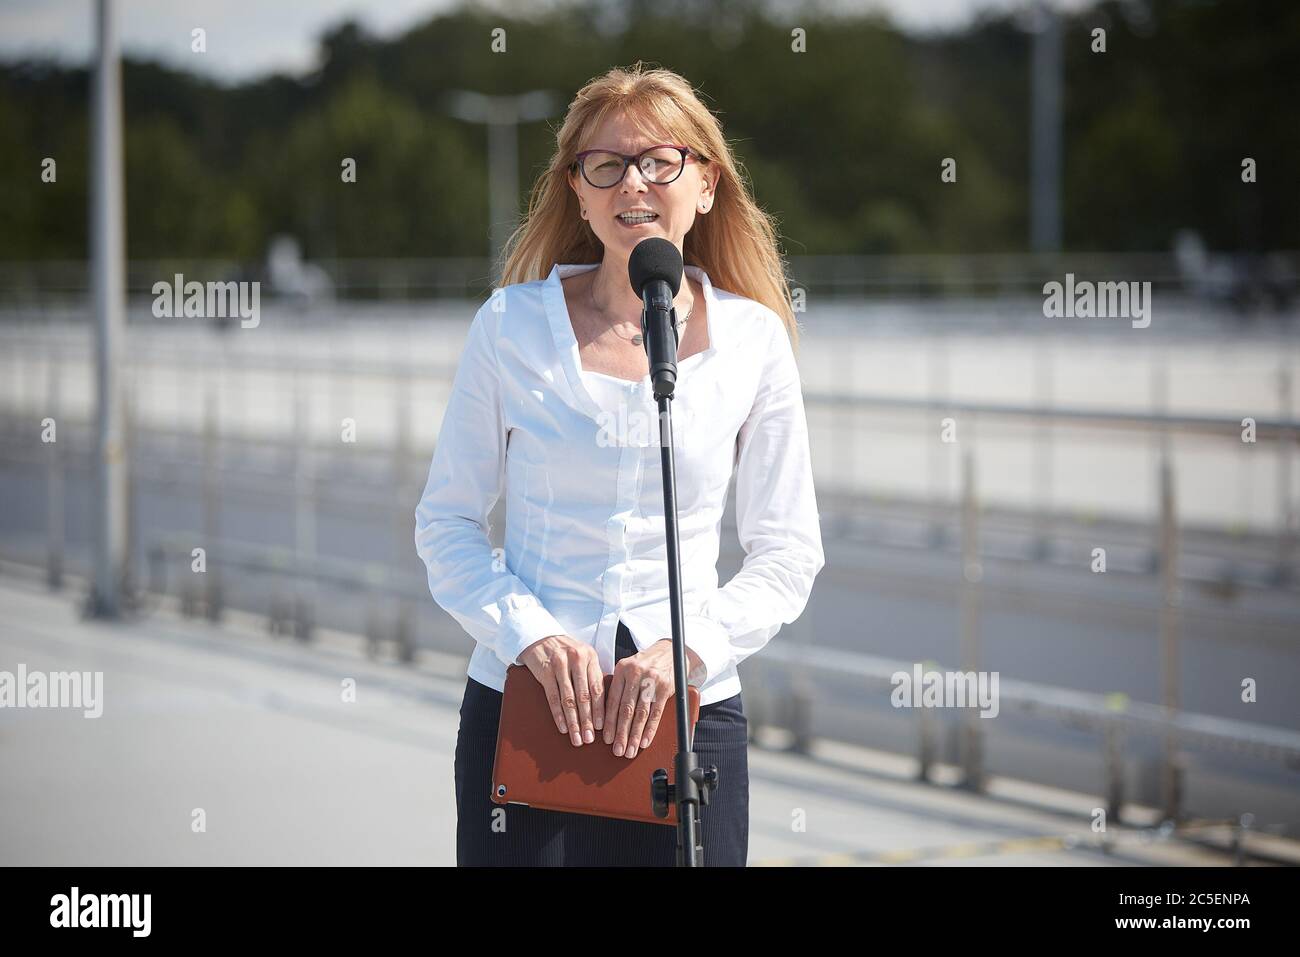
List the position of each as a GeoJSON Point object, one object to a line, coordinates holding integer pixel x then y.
{"type": "Point", "coordinates": [659, 165]}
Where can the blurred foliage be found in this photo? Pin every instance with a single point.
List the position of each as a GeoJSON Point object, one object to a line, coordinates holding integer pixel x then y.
{"type": "Point", "coordinates": [843, 143]}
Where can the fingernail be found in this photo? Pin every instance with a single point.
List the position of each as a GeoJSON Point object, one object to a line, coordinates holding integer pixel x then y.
{"type": "Point", "coordinates": [645, 742]}
{"type": "Point", "coordinates": [631, 752]}
{"type": "Point", "coordinates": [589, 737]}
{"type": "Point", "coordinates": [618, 749]}
{"type": "Point", "coordinates": [563, 729]}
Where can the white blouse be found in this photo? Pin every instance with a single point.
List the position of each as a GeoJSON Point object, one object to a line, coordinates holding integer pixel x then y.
{"type": "Point", "coordinates": [577, 455]}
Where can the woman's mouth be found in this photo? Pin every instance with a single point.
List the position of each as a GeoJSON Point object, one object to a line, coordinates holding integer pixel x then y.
{"type": "Point", "coordinates": [636, 219]}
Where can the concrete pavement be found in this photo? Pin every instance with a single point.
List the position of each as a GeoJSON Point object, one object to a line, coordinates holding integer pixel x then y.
{"type": "Point", "coordinates": [255, 739]}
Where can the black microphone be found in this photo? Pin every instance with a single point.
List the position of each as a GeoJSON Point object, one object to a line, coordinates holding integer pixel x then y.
{"type": "Point", "coordinates": [655, 268]}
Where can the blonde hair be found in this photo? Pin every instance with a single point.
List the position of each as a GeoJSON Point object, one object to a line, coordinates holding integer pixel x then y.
{"type": "Point", "coordinates": [735, 244]}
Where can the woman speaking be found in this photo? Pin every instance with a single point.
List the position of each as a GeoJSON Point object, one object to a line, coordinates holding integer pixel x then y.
{"type": "Point", "coordinates": [552, 404]}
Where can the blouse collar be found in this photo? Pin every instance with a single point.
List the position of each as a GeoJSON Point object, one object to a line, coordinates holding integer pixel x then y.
{"type": "Point", "coordinates": [566, 343]}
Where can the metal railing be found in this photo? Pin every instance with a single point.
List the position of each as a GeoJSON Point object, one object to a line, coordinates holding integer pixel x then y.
{"type": "Point", "coordinates": [301, 569]}
{"type": "Point", "coordinates": [932, 274]}
{"type": "Point", "coordinates": [1114, 718]}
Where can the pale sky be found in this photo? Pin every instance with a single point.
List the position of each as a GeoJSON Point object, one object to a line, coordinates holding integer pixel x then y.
{"type": "Point", "coordinates": [248, 38]}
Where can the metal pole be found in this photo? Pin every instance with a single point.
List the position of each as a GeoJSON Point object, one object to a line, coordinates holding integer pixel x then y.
{"type": "Point", "coordinates": [1043, 454]}
{"type": "Point", "coordinates": [107, 238]}
{"type": "Point", "coordinates": [502, 114]}
{"type": "Point", "coordinates": [503, 165]}
{"type": "Point", "coordinates": [802, 695]}
{"type": "Point", "coordinates": [211, 505]}
{"type": "Point", "coordinates": [1045, 130]}
{"type": "Point", "coordinates": [304, 525]}
{"type": "Point", "coordinates": [404, 625]}
{"type": "Point", "coordinates": [1160, 444]}
{"type": "Point", "coordinates": [972, 575]}
{"type": "Point", "coordinates": [54, 477]}
{"type": "Point", "coordinates": [938, 464]}
{"type": "Point", "coordinates": [1286, 504]}
{"type": "Point", "coordinates": [1113, 744]}
{"type": "Point", "coordinates": [1169, 665]}
{"type": "Point", "coordinates": [928, 741]}
{"type": "Point", "coordinates": [843, 447]}
{"type": "Point", "coordinates": [126, 578]}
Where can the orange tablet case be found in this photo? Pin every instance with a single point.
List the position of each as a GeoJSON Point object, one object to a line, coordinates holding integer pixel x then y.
{"type": "Point", "coordinates": [538, 766]}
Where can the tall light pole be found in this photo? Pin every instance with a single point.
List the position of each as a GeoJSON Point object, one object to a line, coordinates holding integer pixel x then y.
{"type": "Point", "coordinates": [502, 115]}
{"type": "Point", "coordinates": [1045, 130]}
{"type": "Point", "coordinates": [107, 242]}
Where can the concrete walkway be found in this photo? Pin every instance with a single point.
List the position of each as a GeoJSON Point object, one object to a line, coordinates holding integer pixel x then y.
{"type": "Point", "coordinates": [252, 735]}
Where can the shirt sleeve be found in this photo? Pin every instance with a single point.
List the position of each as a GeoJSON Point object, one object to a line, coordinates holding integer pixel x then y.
{"type": "Point", "coordinates": [466, 477]}
{"type": "Point", "coordinates": [776, 520]}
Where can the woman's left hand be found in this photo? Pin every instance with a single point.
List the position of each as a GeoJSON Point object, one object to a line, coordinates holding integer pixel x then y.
{"type": "Point", "coordinates": [642, 685]}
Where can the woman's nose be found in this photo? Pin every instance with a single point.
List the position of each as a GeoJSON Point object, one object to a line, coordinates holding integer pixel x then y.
{"type": "Point", "coordinates": [638, 183]}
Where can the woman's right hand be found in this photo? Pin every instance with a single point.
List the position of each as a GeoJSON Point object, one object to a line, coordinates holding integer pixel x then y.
{"type": "Point", "coordinates": [569, 671]}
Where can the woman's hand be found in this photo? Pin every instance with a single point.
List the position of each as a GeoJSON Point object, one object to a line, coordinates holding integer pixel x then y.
{"type": "Point", "coordinates": [570, 672]}
{"type": "Point", "coordinates": [638, 694]}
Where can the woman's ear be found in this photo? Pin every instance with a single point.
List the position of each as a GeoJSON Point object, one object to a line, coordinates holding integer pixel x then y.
{"type": "Point", "coordinates": [708, 189]}
{"type": "Point", "coordinates": [573, 185]}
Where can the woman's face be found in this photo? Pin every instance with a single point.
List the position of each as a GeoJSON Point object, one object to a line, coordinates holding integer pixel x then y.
{"type": "Point", "coordinates": [674, 205]}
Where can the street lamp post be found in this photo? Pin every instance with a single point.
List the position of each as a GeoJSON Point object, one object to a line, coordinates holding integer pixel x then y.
{"type": "Point", "coordinates": [1045, 125]}
{"type": "Point", "coordinates": [502, 115]}
{"type": "Point", "coordinates": [108, 240]}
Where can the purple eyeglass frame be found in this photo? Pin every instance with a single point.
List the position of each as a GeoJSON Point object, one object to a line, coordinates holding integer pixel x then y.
{"type": "Point", "coordinates": [686, 151]}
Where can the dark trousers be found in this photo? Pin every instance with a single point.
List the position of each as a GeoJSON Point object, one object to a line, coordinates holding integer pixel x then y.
{"type": "Point", "coordinates": [534, 837]}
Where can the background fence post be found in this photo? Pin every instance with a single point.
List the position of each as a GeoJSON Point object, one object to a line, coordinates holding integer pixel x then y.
{"type": "Point", "coordinates": [304, 515]}
{"type": "Point", "coordinates": [211, 508]}
{"type": "Point", "coordinates": [403, 520]}
{"type": "Point", "coordinates": [1171, 776]}
{"type": "Point", "coordinates": [1286, 501]}
{"type": "Point", "coordinates": [972, 572]}
{"type": "Point", "coordinates": [54, 488]}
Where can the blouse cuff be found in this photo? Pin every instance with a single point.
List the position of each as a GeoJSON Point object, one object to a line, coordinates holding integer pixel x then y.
{"type": "Point", "coordinates": [523, 622]}
{"type": "Point", "coordinates": [708, 639]}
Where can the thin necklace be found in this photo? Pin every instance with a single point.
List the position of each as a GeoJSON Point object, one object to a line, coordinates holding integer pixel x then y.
{"type": "Point", "coordinates": [638, 338]}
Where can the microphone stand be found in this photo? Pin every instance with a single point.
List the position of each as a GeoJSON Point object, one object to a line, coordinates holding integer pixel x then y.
{"type": "Point", "coordinates": [692, 784]}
